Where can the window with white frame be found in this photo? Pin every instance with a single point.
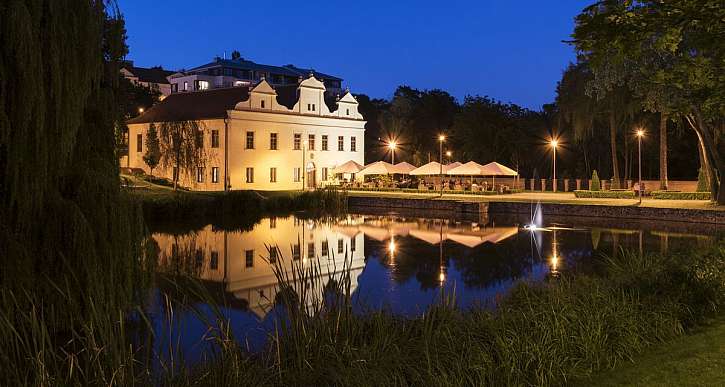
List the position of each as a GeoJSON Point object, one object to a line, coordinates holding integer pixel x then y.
{"type": "Point", "coordinates": [273, 141]}
{"type": "Point", "coordinates": [250, 140]}
{"type": "Point", "coordinates": [341, 143]}
{"type": "Point", "coordinates": [353, 144]}
{"type": "Point", "coordinates": [273, 175]}
{"type": "Point", "coordinates": [298, 141]}
{"type": "Point", "coordinates": [324, 173]}
{"type": "Point", "coordinates": [200, 174]}
{"type": "Point", "coordinates": [324, 142]}
{"type": "Point", "coordinates": [297, 174]}
{"type": "Point", "coordinates": [214, 174]}
{"type": "Point", "coordinates": [250, 175]}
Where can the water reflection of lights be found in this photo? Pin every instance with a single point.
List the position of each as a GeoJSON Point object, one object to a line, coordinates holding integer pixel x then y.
{"type": "Point", "coordinates": [442, 276]}
{"type": "Point", "coordinates": [391, 246]}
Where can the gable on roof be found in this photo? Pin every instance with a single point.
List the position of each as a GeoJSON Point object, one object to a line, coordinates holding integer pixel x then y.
{"type": "Point", "coordinates": [215, 103]}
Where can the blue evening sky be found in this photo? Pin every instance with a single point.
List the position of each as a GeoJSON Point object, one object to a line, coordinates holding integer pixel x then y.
{"type": "Point", "coordinates": [507, 49]}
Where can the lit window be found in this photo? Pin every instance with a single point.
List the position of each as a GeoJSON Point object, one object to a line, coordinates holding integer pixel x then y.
{"type": "Point", "coordinates": [324, 173]}
{"type": "Point", "coordinates": [273, 141]}
{"type": "Point", "coordinates": [139, 142]}
{"type": "Point", "coordinates": [311, 142]}
{"type": "Point", "coordinates": [215, 139]}
{"type": "Point", "coordinates": [341, 143]}
{"type": "Point", "coordinates": [250, 175]}
{"type": "Point", "coordinates": [353, 144]}
{"type": "Point", "coordinates": [298, 141]}
{"type": "Point", "coordinates": [186, 86]}
{"type": "Point", "coordinates": [249, 258]}
{"type": "Point", "coordinates": [340, 246]}
{"type": "Point", "coordinates": [214, 174]}
{"type": "Point", "coordinates": [297, 175]}
{"type": "Point", "coordinates": [202, 85]}
{"type": "Point", "coordinates": [273, 175]}
{"type": "Point", "coordinates": [324, 142]}
{"type": "Point", "coordinates": [200, 174]}
{"type": "Point", "coordinates": [250, 140]}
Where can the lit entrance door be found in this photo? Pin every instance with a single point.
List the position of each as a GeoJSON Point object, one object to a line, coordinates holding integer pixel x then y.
{"type": "Point", "coordinates": [311, 177]}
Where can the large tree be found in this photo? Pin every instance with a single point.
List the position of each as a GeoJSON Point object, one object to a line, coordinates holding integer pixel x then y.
{"type": "Point", "coordinates": [182, 147]}
{"type": "Point", "coordinates": [679, 56]}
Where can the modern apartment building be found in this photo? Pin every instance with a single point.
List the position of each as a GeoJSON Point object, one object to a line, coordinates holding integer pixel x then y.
{"type": "Point", "coordinates": [222, 73]}
{"type": "Point", "coordinates": [264, 138]}
{"type": "Point", "coordinates": [154, 77]}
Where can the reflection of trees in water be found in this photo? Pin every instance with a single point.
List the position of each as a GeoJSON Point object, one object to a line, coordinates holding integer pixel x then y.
{"type": "Point", "coordinates": [185, 258]}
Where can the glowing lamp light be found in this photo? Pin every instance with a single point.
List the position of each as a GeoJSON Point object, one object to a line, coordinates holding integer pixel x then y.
{"type": "Point", "coordinates": [140, 110]}
{"type": "Point", "coordinates": [449, 153]}
{"type": "Point", "coordinates": [554, 143]}
{"type": "Point", "coordinates": [640, 133]}
{"type": "Point", "coordinates": [392, 145]}
{"type": "Point", "coordinates": [441, 138]}
{"type": "Point", "coordinates": [391, 246]}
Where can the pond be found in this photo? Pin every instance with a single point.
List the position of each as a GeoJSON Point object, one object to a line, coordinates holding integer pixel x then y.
{"type": "Point", "coordinates": [397, 263]}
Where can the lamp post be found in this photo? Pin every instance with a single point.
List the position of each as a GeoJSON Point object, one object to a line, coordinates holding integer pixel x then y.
{"type": "Point", "coordinates": [392, 145]}
{"type": "Point", "coordinates": [441, 139]}
{"type": "Point", "coordinates": [140, 110]}
{"type": "Point", "coordinates": [553, 144]}
{"type": "Point", "coordinates": [640, 134]}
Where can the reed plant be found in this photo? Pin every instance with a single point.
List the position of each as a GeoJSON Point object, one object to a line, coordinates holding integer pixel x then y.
{"type": "Point", "coordinates": [549, 333]}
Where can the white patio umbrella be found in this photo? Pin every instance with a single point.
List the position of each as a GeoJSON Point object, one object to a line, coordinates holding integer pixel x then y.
{"type": "Point", "coordinates": [470, 168]}
{"type": "Point", "coordinates": [404, 168]}
{"type": "Point", "coordinates": [378, 168]}
{"type": "Point", "coordinates": [432, 168]}
{"type": "Point", "coordinates": [450, 166]}
{"type": "Point", "coordinates": [348, 167]}
{"type": "Point", "coordinates": [495, 169]}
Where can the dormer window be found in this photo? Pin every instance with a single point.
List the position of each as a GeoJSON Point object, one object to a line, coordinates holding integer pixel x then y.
{"type": "Point", "coordinates": [262, 104]}
{"type": "Point", "coordinates": [347, 112]}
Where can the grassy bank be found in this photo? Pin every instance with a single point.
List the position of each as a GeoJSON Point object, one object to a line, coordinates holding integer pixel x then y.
{"type": "Point", "coordinates": [697, 359]}
{"type": "Point", "coordinates": [161, 205]}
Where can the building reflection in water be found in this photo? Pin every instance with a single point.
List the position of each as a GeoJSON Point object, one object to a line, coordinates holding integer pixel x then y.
{"type": "Point", "coordinates": [243, 262]}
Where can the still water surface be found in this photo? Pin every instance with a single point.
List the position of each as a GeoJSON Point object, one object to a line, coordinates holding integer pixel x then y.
{"type": "Point", "coordinates": [398, 263]}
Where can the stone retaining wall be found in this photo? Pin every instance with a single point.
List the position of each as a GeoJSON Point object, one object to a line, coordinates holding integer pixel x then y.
{"type": "Point", "coordinates": [454, 207]}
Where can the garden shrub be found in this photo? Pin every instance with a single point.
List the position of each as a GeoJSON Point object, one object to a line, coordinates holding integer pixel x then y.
{"type": "Point", "coordinates": [702, 184]}
{"type": "Point", "coordinates": [604, 194]}
{"type": "Point", "coordinates": [672, 195]}
{"type": "Point", "coordinates": [596, 186]}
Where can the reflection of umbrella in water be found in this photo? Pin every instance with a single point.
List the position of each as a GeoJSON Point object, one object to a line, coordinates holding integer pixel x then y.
{"type": "Point", "coordinates": [492, 235]}
{"type": "Point", "coordinates": [348, 231]}
{"type": "Point", "coordinates": [432, 237]}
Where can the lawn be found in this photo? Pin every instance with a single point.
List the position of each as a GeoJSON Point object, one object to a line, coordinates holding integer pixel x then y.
{"type": "Point", "coordinates": [697, 359]}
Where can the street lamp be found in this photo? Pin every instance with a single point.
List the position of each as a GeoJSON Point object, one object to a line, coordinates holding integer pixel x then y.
{"type": "Point", "coordinates": [554, 143]}
{"type": "Point", "coordinates": [640, 134]}
{"type": "Point", "coordinates": [392, 145]}
{"type": "Point", "coordinates": [140, 110]}
{"type": "Point", "coordinates": [441, 139]}
{"type": "Point", "coordinates": [449, 154]}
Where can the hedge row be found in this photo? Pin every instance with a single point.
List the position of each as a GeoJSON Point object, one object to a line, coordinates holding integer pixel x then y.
{"type": "Point", "coordinates": [415, 190]}
{"type": "Point", "coordinates": [672, 195]}
{"type": "Point", "coordinates": [605, 194]}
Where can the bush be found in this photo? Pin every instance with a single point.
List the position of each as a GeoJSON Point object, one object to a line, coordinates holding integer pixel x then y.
{"type": "Point", "coordinates": [672, 195]}
{"type": "Point", "coordinates": [702, 184]}
{"type": "Point", "coordinates": [596, 186]}
{"type": "Point", "coordinates": [604, 194]}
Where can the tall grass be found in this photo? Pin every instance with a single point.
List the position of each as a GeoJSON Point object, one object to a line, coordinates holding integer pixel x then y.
{"type": "Point", "coordinates": [540, 334]}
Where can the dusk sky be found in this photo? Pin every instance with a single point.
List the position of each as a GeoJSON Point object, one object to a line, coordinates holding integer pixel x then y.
{"type": "Point", "coordinates": [509, 50]}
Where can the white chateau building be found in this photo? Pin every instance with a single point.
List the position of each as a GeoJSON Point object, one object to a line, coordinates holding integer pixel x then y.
{"type": "Point", "coordinates": [282, 138]}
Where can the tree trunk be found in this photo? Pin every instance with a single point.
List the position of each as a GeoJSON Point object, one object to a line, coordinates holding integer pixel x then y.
{"type": "Point", "coordinates": [713, 163]}
{"type": "Point", "coordinates": [613, 138]}
{"type": "Point", "coordinates": [663, 151]}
